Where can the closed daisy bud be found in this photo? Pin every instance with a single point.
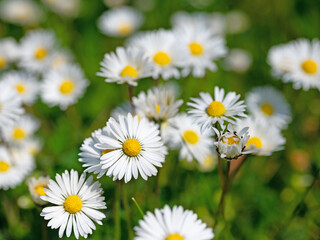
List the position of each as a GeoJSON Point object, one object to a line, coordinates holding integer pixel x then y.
{"type": "Point", "coordinates": [36, 189]}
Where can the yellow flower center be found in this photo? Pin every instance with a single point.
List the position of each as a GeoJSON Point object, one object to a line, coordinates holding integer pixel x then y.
{"type": "Point", "coordinates": [40, 53]}
{"type": "Point", "coordinates": [231, 140]}
{"type": "Point", "coordinates": [174, 236]}
{"type": "Point", "coordinates": [191, 137]}
{"type": "Point", "coordinates": [129, 71]}
{"type": "Point", "coordinates": [196, 48]}
{"type": "Point", "coordinates": [125, 28]}
{"type": "Point", "coordinates": [216, 109]}
{"type": "Point", "coordinates": [19, 133]}
{"type": "Point", "coordinates": [66, 87]}
{"type": "Point", "coordinates": [40, 190]}
{"type": "Point", "coordinates": [3, 62]}
{"type": "Point", "coordinates": [254, 141]}
{"type": "Point", "coordinates": [106, 151]}
{"type": "Point", "coordinates": [132, 147]}
{"type": "Point", "coordinates": [4, 166]}
{"type": "Point", "coordinates": [158, 108]}
{"type": "Point", "coordinates": [267, 109]}
{"type": "Point", "coordinates": [161, 58]}
{"type": "Point", "coordinates": [20, 88]}
{"type": "Point", "coordinates": [309, 66]}
{"type": "Point", "coordinates": [73, 204]}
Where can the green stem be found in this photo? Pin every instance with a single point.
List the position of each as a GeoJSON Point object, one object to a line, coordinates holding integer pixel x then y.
{"type": "Point", "coordinates": [117, 219]}
{"type": "Point", "coordinates": [138, 206]}
{"type": "Point", "coordinates": [44, 230]}
{"type": "Point", "coordinates": [126, 209]}
{"type": "Point", "coordinates": [130, 89]}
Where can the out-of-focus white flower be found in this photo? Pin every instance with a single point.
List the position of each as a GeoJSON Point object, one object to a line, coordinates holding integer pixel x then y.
{"type": "Point", "coordinates": [120, 22]}
{"type": "Point", "coordinates": [237, 60]}
{"type": "Point", "coordinates": [208, 162]}
{"type": "Point", "coordinates": [32, 146]}
{"type": "Point", "coordinates": [65, 8]}
{"type": "Point", "coordinates": [114, 3]}
{"type": "Point", "coordinates": [36, 189]}
{"type": "Point", "coordinates": [60, 58]}
{"type": "Point", "coordinates": [125, 66]}
{"type": "Point", "coordinates": [268, 103]}
{"type": "Point", "coordinates": [64, 86]}
{"type": "Point", "coordinates": [24, 83]}
{"type": "Point", "coordinates": [236, 22]}
{"type": "Point", "coordinates": [21, 12]}
{"type": "Point", "coordinates": [9, 52]}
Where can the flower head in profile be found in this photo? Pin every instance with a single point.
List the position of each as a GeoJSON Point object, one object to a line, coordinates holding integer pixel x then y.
{"type": "Point", "coordinates": [9, 52]}
{"type": "Point", "coordinates": [120, 22]}
{"type": "Point", "coordinates": [206, 110]}
{"type": "Point", "coordinates": [36, 189]}
{"type": "Point", "coordinates": [77, 203]}
{"type": "Point", "coordinates": [172, 224]}
{"type": "Point", "coordinates": [126, 65]}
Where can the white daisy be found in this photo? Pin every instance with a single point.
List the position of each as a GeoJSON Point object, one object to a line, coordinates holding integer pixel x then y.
{"type": "Point", "coordinates": [125, 66]}
{"type": "Point", "coordinates": [122, 109]}
{"type": "Point", "coordinates": [264, 137]}
{"type": "Point", "coordinates": [60, 58]}
{"type": "Point", "coordinates": [236, 22]}
{"type": "Point", "coordinates": [36, 49]}
{"type": "Point", "coordinates": [10, 106]}
{"type": "Point", "coordinates": [120, 22]}
{"type": "Point", "coordinates": [36, 189]}
{"type": "Point", "coordinates": [77, 202]}
{"type": "Point", "coordinates": [207, 111]}
{"type": "Point", "coordinates": [232, 144]}
{"type": "Point", "coordinates": [9, 52]}
{"type": "Point", "coordinates": [64, 8]}
{"type": "Point", "coordinates": [158, 104]}
{"type": "Point", "coordinates": [237, 60]}
{"type": "Point", "coordinates": [21, 12]}
{"type": "Point", "coordinates": [208, 162]}
{"type": "Point", "coordinates": [268, 103]}
{"type": "Point", "coordinates": [305, 72]}
{"type": "Point", "coordinates": [163, 50]}
{"type": "Point", "coordinates": [21, 130]}
{"type": "Point", "coordinates": [62, 87]}
{"type": "Point", "coordinates": [32, 146]}
{"type": "Point", "coordinates": [202, 47]}
{"type": "Point", "coordinates": [133, 146]}
{"type": "Point", "coordinates": [172, 224]}
{"type": "Point", "coordinates": [24, 83]}
{"type": "Point", "coordinates": [192, 143]}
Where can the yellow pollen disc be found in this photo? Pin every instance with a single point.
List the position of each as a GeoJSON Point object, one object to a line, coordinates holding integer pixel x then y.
{"type": "Point", "coordinates": [132, 147]}
{"type": "Point", "coordinates": [267, 109]}
{"type": "Point", "coordinates": [309, 66]}
{"type": "Point", "coordinates": [125, 28]}
{"type": "Point", "coordinates": [231, 140]}
{"type": "Point", "coordinates": [158, 108]}
{"type": "Point", "coordinates": [4, 166]}
{"type": "Point", "coordinates": [106, 151]}
{"type": "Point", "coordinates": [3, 62]}
{"type": "Point", "coordinates": [129, 71]}
{"type": "Point", "coordinates": [40, 190]}
{"type": "Point", "coordinates": [66, 87]}
{"type": "Point", "coordinates": [175, 236]}
{"type": "Point", "coordinates": [196, 48]}
{"type": "Point", "coordinates": [73, 204]}
{"type": "Point", "coordinates": [191, 137]}
{"type": "Point", "coordinates": [20, 88]}
{"type": "Point", "coordinates": [254, 141]}
{"type": "Point", "coordinates": [161, 58]}
{"type": "Point", "coordinates": [40, 53]}
{"type": "Point", "coordinates": [18, 133]}
{"type": "Point", "coordinates": [216, 109]}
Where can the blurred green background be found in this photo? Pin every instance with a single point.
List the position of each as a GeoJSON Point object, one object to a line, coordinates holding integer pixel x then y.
{"type": "Point", "coordinates": [276, 197]}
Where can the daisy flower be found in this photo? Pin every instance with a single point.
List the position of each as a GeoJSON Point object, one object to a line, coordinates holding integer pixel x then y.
{"type": "Point", "coordinates": [60, 58]}
{"type": "Point", "coordinates": [208, 162]}
{"type": "Point", "coordinates": [64, 8]}
{"type": "Point", "coordinates": [62, 87]}
{"type": "Point", "coordinates": [133, 146]}
{"type": "Point", "coordinates": [24, 83]}
{"type": "Point", "coordinates": [158, 104]}
{"type": "Point", "coordinates": [172, 224]}
{"type": "Point", "coordinates": [21, 12]}
{"type": "Point", "coordinates": [202, 47]}
{"type": "Point", "coordinates": [36, 189]}
{"type": "Point", "coordinates": [36, 49]}
{"type": "Point", "coordinates": [125, 66]}
{"type": "Point", "coordinates": [9, 52]}
{"type": "Point", "coordinates": [10, 106]}
{"type": "Point", "coordinates": [305, 72]}
{"type": "Point", "coordinates": [122, 109]}
{"type": "Point", "coordinates": [264, 137]}
{"type": "Point", "coordinates": [163, 51]}
{"type": "Point", "coordinates": [182, 19]}
{"type": "Point", "coordinates": [237, 60]}
{"type": "Point", "coordinates": [22, 129]}
{"type": "Point", "coordinates": [207, 111]}
{"type": "Point", "coordinates": [268, 103]}
{"type": "Point", "coordinates": [120, 22]}
{"type": "Point", "coordinates": [192, 143]}
{"type": "Point", "coordinates": [77, 202]}
{"type": "Point", "coordinates": [32, 146]}
{"type": "Point", "coordinates": [232, 144]}
{"type": "Point", "coordinates": [236, 22]}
